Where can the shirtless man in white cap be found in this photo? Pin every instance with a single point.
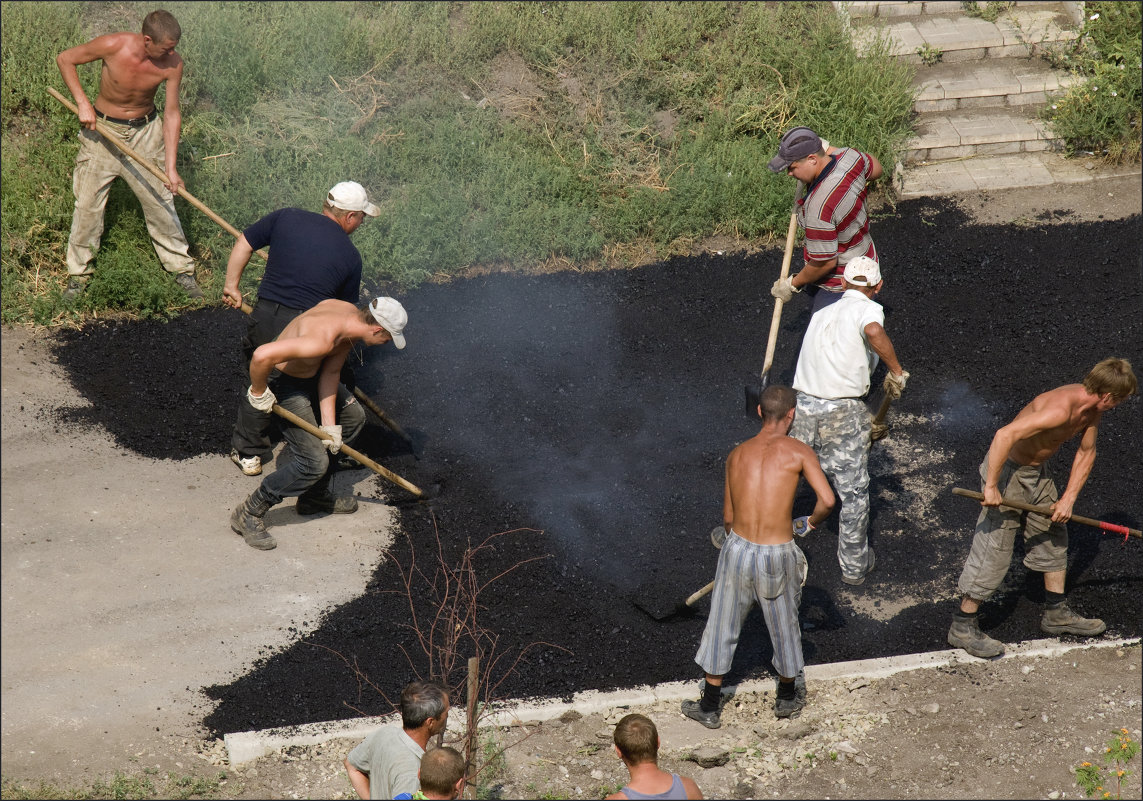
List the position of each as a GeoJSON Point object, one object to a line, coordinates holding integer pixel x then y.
{"type": "Point", "coordinates": [299, 371]}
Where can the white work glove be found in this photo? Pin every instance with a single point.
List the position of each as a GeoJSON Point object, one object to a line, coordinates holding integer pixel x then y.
{"type": "Point", "coordinates": [784, 289]}
{"type": "Point", "coordinates": [264, 402]}
{"type": "Point", "coordinates": [333, 444]}
{"type": "Point", "coordinates": [802, 526]}
{"type": "Point", "coordinates": [718, 536]}
{"type": "Point", "coordinates": [895, 384]}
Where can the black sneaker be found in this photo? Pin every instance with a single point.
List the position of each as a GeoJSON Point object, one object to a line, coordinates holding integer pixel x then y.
{"type": "Point", "coordinates": [693, 710]}
{"type": "Point", "coordinates": [789, 707]}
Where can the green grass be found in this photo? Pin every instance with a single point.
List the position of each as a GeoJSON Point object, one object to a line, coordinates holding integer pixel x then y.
{"type": "Point", "coordinates": [498, 133]}
{"type": "Point", "coordinates": [145, 785]}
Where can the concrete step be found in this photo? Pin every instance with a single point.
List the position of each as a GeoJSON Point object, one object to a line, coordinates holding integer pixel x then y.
{"type": "Point", "coordinates": [960, 38]}
{"type": "Point", "coordinates": [975, 132]}
{"type": "Point", "coordinates": [995, 83]}
{"type": "Point", "coordinates": [909, 8]}
{"type": "Point", "coordinates": [992, 173]}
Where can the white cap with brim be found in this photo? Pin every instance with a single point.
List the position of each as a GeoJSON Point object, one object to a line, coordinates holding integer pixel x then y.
{"type": "Point", "coordinates": [862, 271]}
{"type": "Point", "coordinates": [351, 196]}
{"type": "Point", "coordinates": [391, 316]}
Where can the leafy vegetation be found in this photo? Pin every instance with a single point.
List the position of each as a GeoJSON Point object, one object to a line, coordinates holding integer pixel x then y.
{"type": "Point", "coordinates": [134, 785]}
{"type": "Point", "coordinates": [508, 134]}
{"type": "Point", "coordinates": [1101, 114]}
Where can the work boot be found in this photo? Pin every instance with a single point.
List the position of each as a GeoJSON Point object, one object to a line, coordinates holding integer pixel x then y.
{"type": "Point", "coordinates": [693, 710]}
{"type": "Point", "coordinates": [1060, 619]}
{"type": "Point", "coordinates": [189, 285]}
{"type": "Point", "coordinates": [75, 288]}
{"type": "Point", "coordinates": [965, 633]}
{"type": "Point", "coordinates": [312, 503]}
{"type": "Point", "coordinates": [247, 521]}
{"type": "Point", "coordinates": [250, 466]}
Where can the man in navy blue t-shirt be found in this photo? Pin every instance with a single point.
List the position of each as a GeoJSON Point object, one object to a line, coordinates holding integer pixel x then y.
{"type": "Point", "coordinates": [311, 259]}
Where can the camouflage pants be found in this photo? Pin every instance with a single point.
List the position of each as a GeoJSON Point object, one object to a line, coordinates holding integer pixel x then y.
{"type": "Point", "coordinates": [97, 164]}
{"type": "Point", "coordinates": [839, 432]}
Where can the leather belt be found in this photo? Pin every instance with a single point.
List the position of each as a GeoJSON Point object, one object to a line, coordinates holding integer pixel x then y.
{"type": "Point", "coordinates": [137, 122]}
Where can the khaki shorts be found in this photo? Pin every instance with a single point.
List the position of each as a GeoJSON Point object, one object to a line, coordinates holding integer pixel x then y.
{"type": "Point", "coordinates": [1045, 542]}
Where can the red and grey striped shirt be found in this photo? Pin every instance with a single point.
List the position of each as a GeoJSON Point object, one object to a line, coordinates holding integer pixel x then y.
{"type": "Point", "coordinates": [833, 215]}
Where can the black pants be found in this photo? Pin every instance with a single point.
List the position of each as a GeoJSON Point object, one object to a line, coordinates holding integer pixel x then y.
{"type": "Point", "coordinates": [251, 435]}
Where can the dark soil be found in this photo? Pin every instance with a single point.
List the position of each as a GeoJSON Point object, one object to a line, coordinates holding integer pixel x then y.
{"type": "Point", "coordinates": [590, 414]}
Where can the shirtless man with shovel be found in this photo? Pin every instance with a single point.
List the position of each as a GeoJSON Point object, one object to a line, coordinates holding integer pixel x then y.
{"type": "Point", "coordinates": [299, 371]}
{"type": "Point", "coordinates": [1015, 468]}
{"type": "Point", "coordinates": [134, 66]}
{"type": "Point", "coordinates": [759, 560]}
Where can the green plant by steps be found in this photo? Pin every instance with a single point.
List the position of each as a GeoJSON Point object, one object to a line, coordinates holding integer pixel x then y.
{"type": "Point", "coordinates": [930, 55]}
{"type": "Point", "coordinates": [989, 11]}
{"type": "Point", "coordinates": [1100, 115]}
{"type": "Point", "coordinates": [1096, 779]}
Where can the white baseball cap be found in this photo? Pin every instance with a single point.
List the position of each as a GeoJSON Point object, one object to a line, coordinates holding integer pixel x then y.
{"type": "Point", "coordinates": [351, 196]}
{"type": "Point", "coordinates": [391, 316]}
{"type": "Point", "coordinates": [862, 271]}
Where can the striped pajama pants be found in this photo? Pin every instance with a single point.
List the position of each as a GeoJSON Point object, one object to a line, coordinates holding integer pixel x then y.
{"type": "Point", "coordinates": [773, 576]}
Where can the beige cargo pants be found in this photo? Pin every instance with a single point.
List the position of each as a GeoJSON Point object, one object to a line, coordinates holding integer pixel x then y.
{"type": "Point", "coordinates": [96, 166]}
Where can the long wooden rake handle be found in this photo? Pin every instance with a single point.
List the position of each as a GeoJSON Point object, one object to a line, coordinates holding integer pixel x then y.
{"type": "Point", "coordinates": [359, 457]}
{"type": "Point", "coordinates": [1047, 511]}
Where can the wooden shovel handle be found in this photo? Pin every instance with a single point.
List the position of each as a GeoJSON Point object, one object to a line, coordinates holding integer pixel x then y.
{"type": "Point", "coordinates": [1047, 511]}
{"type": "Point", "coordinates": [883, 409]}
{"type": "Point", "coordinates": [359, 457]}
{"type": "Point", "coordinates": [777, 318]}
{"type": "Point", "coordinates": [696, 596]}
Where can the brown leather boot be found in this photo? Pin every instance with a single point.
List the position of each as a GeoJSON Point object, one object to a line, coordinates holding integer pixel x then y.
{"type": "Point", "coordinates": [247, 521]}
{"type": "Point", "coordinates": [1060, 619]}
{"type": "Point", "coordinates": [965, 633]}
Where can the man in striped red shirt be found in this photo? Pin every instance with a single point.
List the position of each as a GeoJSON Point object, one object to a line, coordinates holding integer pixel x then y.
{"type": "Point", "coordinates": [831, 212]}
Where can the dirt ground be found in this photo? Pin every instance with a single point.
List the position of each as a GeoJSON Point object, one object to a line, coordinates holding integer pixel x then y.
{"type": "Point", "coordinates": [117, 609]}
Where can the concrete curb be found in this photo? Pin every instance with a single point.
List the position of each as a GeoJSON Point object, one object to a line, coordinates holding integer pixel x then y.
{"type": "Point", "coordinates": [250, 745]}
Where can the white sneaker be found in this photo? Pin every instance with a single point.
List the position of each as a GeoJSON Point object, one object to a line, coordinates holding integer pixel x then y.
{"type": "Point", "coordinates": [251, 466]}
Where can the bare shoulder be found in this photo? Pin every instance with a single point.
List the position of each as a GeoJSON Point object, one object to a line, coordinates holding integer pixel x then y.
{"type": "Point", "coordinates": [796, 446]}
{"type": "Point", "coordinates": [103, 47]}
{"type": "Point", "coordinates": [1055, 402]}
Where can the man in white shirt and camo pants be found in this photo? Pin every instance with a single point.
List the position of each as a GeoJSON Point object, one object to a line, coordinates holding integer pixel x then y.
{"type": "Point", "coordinates": [839, 353]}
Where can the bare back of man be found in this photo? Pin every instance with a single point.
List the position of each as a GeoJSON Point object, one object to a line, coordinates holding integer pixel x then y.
{"type": "Point", "coordinates": [1038, 431]}
{"type": "Point", "coordinates": [321, 336]}
{"type": "Point", "coordinates": [1050, 420]}
{"type": "Point", "coordinates": [761, 480]}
